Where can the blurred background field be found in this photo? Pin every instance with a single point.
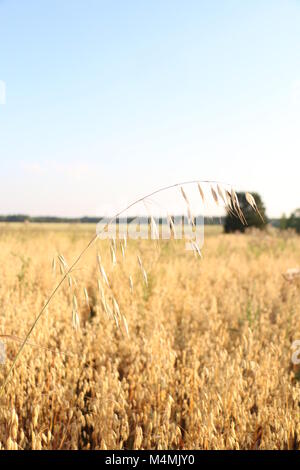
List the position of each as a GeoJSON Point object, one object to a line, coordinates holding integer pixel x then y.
{"type": "Point", "coordinates": [207, 363]}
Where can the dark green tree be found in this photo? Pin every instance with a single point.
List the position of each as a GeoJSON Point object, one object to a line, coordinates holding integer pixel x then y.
{"type": "Point", "coordinates": [283, 223]}
{"type": "Point", "coordinates": [294, 221]}
{"type": "Point", "coordinates": [233, 223]}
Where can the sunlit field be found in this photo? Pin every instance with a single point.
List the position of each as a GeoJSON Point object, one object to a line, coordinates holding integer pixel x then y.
{"type": "Point", "coordinates": [170, 351]}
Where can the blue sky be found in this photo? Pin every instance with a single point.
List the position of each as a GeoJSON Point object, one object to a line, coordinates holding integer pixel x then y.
{"type": "Point", "coordinates": [107, 100]}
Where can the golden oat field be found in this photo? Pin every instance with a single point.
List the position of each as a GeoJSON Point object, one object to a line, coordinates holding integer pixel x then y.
{"type": "Point", "coordinates": [206, 363]}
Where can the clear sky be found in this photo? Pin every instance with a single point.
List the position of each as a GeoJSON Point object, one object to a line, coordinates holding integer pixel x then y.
{"type": "Point", "coordinates": [107, 100]}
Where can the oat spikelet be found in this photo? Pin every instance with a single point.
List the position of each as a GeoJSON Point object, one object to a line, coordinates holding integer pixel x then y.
{"type": "Point", "coordinates": [125, 242]}
{"type": "Point", "coordinates": [103, 274]}
{"type": "Point", "coordinates": [63, 263]}
{"type": "Point", "coordinates": [201, 192]}
{"type": "Point", "coordinates": [220, 192]}
{"type": "Point", "coordinates": [131, 284]}
{"type": "Point", "coordinates": [113, 255]}
{"type": "Point", "coordinates": [236, 206]}
{"type": "Point", "coordinates": [75, 319]}
{"type": "Point", "coordinates": [54, 266]}
{"type": "Point", "coordinates": [190, 217]}
{"type": "Point", "coordinates": [251, 201]}
{"type": "Point", "coordinates": [154, 229]}
{"type": "Point", "coordinates": [75, 303]}
{"type": "Point", "coordinates": [87, 300]}
{"type": "Point", "coordinates": [196, 248]}
{"type": "Point", "coordinates": [110, 313]}
{"type": "Point", "coordinates": [184, 196]}
{"type": "Point", "coordinates": [228, 198]}
{"type": "Point", "coordinates": [143, 270]}
{"type": "Point", "coordinates": [145, 277]}
{"type": "Point", "coordinates": [138, 439]}
{"type": "Point", "coordinates": [116, 307]}
{"type": "Point", "coordinates": [75, 316]}
{"type": "Point", "coordinates": [228, 205]}
{"type": "Point", "coordinates": [99, 261]}
{"type": "Point", "coordinates": [122, 250]}
{"type": "Point", "coordinates": [106, 307]}
{"type": "Point", "coordinates": [100, 288]}
{"type": "Point", "coordinates": [116, 319]}
{"type": "Point", "coordinates": [171, 224]}
{"type": "Point", "coordinates": [140, 261]}
{"type": "Point", "coordinates": [215, 196]}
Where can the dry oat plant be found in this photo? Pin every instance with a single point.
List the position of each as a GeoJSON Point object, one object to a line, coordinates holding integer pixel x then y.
{"type": "Point", "coordinates": [145, 345]}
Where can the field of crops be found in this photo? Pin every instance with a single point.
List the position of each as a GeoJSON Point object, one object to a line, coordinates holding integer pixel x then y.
{"type": "Point", "coordinates": [205, 363]}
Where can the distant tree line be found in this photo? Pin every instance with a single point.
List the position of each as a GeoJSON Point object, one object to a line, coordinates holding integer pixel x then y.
{"type": "Point", "coordinates": [230, 222]}
{"type": "Point", "coordinates": [292, 222]}
{"type": "Point", "coordinates": [48, 219]}
{"type": "Point", "coordinates": [94, 220]}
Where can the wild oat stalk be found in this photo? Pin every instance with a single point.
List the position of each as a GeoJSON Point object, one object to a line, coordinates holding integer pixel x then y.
{"type": "Point", "coordinates": [232, 205]}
